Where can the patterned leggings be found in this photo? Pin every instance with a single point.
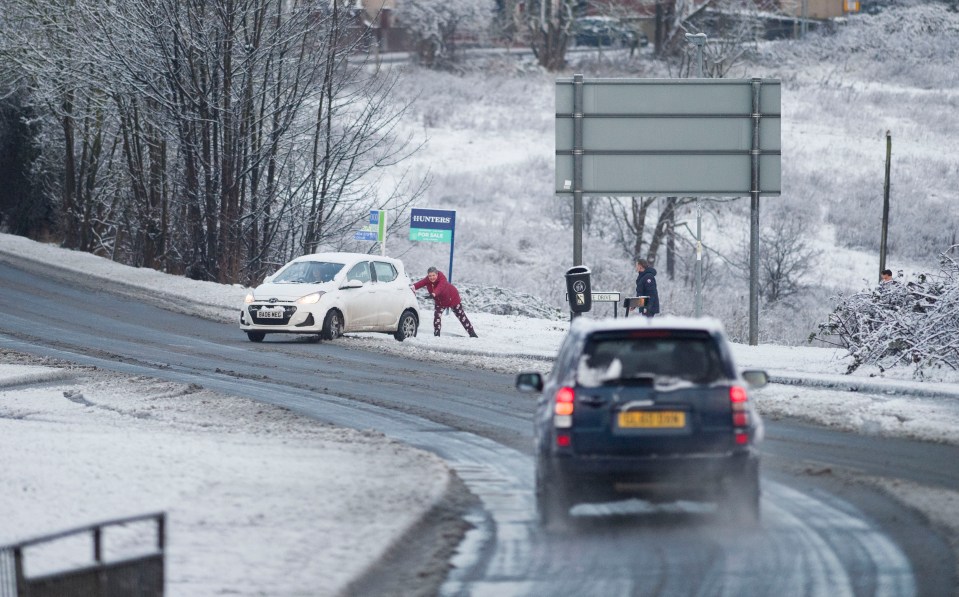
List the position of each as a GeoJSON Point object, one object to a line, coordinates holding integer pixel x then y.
{"type": "Point", "coordinates": [460, 314]}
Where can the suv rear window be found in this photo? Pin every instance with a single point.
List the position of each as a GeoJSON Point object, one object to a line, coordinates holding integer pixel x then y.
{"type": "Point", "coordinates": [662, 354]}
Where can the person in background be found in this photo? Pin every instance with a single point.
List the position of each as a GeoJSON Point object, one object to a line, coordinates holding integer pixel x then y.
{"type": "Point", "coordinates": [885, 276]}
{"type": "Point", "coordinates": [445, 296]}
{"type": "Point", "coordinates": [646, 286]}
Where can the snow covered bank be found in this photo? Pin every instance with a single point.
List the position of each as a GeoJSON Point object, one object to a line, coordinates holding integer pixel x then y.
{"type": "Point", "coordinates": [259, 501]}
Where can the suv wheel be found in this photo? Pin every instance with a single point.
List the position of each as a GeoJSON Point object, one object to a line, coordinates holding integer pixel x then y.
{"type": "Point", "coordinates": [406, 328]}
{"type": "Point", "coordinates": [552, 502]}
{"type": "Point", "coordinates": [332, 325]}
{"type": "Point", "coordinates": [741, 499]}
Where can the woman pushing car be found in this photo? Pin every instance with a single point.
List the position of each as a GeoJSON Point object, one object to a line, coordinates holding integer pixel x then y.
{"type": "Point", "coordinates": [445, 296]}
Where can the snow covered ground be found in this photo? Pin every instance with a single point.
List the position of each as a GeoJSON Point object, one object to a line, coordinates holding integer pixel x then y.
{"type": "Point", "coordinates": [240, 478]}
{"type": "Point", "coordinates": [259, 501]}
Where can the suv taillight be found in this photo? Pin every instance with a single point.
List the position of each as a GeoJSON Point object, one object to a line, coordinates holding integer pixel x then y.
{"type": "Point", "coordinates": [738, 399]}
{"type": "Point", "coordinates": [563, 409]}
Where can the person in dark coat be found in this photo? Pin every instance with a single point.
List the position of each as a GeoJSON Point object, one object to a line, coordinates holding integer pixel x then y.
{"type": "Point", "coordinates": [445, 296]}
{"type": "Point", "coordinates": [646, 286]}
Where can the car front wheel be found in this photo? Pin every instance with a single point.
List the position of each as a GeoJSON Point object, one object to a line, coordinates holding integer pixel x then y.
{"type": "Point", "coordinates": [406, 328]}
{"type": "Point", "coordinates": [256, 336]}
{"type": "Point", "coordinates": [333, 325]}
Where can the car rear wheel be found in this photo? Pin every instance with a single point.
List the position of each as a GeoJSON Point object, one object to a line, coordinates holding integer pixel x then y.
{"type": "Point", "coordinates": [552, 503]}
{"type": "Point", "coordinates": [256, 336]}
{"type": "Point", "coordinates": [741, 500]}
{"type": "Point", "coordinates": [407, 327]}
{"type": "Point", "coordinates": [333, 325]}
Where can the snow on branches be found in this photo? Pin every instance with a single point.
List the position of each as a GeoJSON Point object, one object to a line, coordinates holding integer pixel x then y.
{"type": "Point", "coordinates": [436, 26]}
{"type": "Point", "coordinates": [911, 323]}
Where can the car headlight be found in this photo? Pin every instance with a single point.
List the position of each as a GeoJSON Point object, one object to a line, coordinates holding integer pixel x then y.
{"type": "Point", "coordinates": [249, 298]}
{"type": "Point", "coordinates": [310, 299]}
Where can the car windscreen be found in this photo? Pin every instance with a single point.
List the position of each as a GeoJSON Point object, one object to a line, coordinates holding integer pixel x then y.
{"type": "Point", "coordinates": [661, 355]}
{"type": "Point", "coordinates": [308, 272]}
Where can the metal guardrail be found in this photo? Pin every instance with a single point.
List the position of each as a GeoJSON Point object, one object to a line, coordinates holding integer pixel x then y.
{"type": "Point", "coordinates": [141, 575]}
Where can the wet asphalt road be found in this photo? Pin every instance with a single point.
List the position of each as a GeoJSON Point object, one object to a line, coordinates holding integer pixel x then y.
{"type": "Point", "coordinates": [822, 532]}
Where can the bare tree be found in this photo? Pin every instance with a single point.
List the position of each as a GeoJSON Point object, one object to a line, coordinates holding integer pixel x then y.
{"type": "Point", "coordinates": [639, 236]}
{"type": "Point", "coordinates": [435, 25]}
{"type": "Point", "coordinates": [785, 257]}
{"type": "Point", "coordinates": [901, 322]}
{"type": "Point", "coordinates": [41, 40]}
{"type": "Point", "coordinates": [209, 137]}
{"type": "Point", "coordinates": [549, 24]}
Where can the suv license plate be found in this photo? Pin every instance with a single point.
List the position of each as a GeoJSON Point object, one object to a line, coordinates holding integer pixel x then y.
{"type": "Point", "coordinates": [271, 314]}
{"type": "Point", "coordinates": [660, 419]}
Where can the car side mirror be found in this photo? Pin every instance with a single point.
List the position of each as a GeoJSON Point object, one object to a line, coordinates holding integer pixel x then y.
{"type": "Point", "coordinates": [268, 278]}
{"type": "Point", "coordinates": [352, 284]}
{"type": "Point", "coordinates": [529, 382]}
{"type": "Point", "coordinates": [756, 378]}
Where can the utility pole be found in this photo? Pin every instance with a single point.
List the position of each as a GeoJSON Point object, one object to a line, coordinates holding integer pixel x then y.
{"type": "Point", "coordinates": [885, 206]}
{"type": "Point", "coordinates": [804, 27]}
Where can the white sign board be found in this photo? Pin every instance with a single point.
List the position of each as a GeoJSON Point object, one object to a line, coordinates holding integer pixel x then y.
{"type": "Point", "coordinates": [688, 137]}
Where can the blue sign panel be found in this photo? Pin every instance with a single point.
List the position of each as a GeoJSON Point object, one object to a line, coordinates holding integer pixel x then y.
{"type": "Point", "coordinates": [432, 219]}
{"type": "Point", "coordinates": [376, 230]}
{"type": "Point", "coordinates": [434, 225]}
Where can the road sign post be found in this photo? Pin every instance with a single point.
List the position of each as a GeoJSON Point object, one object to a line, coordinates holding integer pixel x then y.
{"type": "Point", "coordinates": [670, 137]}
{"type": "Point", "coordinates": [375, 230]}
{"type": "Point", "coordinates": [605, 297]}
{"type": "Point", "coordinates": [434, 225]}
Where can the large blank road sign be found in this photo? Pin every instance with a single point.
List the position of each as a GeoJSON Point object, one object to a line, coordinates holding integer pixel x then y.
{"type": "Point", "coordinates": [688, 137]}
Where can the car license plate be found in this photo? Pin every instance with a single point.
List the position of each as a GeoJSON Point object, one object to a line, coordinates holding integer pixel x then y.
{"type": "Point", "coordinates": [655, 419]}
{"type": "Point", "coordinates": [270, 314]}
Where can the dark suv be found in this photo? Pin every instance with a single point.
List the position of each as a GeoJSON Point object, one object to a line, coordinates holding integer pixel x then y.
{"type": "Point", "coordinates": [649, 408]}
{"type": "Point", "coordinates": [606, 31]}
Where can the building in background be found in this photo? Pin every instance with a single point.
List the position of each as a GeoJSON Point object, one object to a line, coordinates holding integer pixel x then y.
{"type": "Point", "coordinates": [819, 9]}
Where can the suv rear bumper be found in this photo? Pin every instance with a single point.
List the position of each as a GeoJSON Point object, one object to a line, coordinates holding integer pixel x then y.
{"type": "Point", "coordinates": [686, 475]}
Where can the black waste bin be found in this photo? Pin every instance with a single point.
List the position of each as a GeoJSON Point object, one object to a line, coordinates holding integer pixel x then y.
{"type": "Point", "coordinates": [578, 289]}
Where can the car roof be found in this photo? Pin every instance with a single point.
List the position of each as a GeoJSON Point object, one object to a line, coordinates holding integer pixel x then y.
{"type": "Point", "coordinates": [346, 257]}
{"type": "Point", "coordinates": [586, 326]}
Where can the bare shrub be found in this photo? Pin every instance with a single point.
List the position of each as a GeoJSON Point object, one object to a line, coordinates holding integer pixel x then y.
{"type": "Point", "coordinates": [913, 323]}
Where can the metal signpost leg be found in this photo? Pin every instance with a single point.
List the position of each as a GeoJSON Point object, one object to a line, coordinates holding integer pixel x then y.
{"type": "Point", "coordinates": [754, 221]}
{"type": "Point", "coordinates": [449, 274]}
{"type": "Point", "coordinates": [577, 169]}
{"type": "Point", "coordinates": [699, 259]}
{"type": "Point", "coordinates": [381, 231]}
{"type": "Point", "coordinates": [698, 40]}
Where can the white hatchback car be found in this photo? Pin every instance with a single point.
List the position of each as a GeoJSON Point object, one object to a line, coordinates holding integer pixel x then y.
{"type": "Point", "coordinates": [332, 293]}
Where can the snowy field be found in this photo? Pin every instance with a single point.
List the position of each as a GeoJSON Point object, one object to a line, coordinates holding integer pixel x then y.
{"type": "Point", "coordinates": [259, 501]}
